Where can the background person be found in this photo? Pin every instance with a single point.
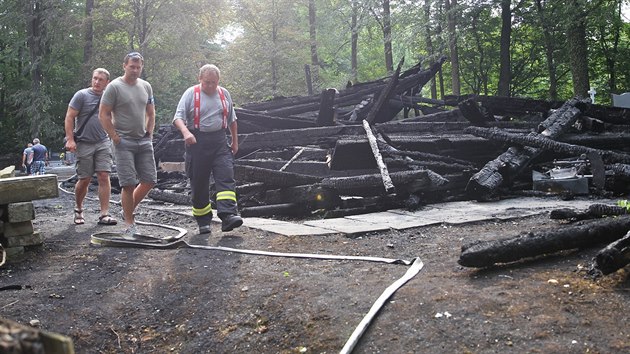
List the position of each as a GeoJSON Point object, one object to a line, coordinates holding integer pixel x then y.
{"type": "Point", "coordinates": [127, 113]}
{"type": "Point", "coordinates": [40, 158]}
{"type": "Point", "coordinates": [207, 149]}
{"type": "Point", "coordinates": [86, 137]}
{"type": "Point", "coordinates": [27, 158]}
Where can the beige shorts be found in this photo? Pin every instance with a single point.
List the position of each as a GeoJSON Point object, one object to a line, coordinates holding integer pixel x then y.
{"type": "Point", "coordinates": [94, 157]}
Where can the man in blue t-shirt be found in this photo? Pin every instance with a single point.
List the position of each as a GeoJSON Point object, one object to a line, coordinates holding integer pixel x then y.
{"type": "Point", "coordinates": [40, 158]}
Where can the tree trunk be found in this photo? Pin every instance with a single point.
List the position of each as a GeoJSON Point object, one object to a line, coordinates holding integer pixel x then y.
{"type": "Point", "coordinates": [550, 48]}
{"type": "Point", "coordinates": [387, 37]}
{"type": "Point", "coordinates": [354, 42]}
{"type": "Point", "coordinates": [36, 45]}
{"type": "Point", "coordinates": [451, 10]}
{"type": "Point", "coordinates": [429, 41]}
{"type": "Point", "coordinates": [312, 22]}
{"type": "Point", "coordinates": [578, 48]}
{"type": "Point", "coordinates": [88, 44]}
{"type": "Point", "coordinates": [504, 56]}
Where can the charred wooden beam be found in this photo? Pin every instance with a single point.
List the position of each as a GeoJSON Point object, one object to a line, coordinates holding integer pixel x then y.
{"type": "Point", "coordinates": [271, 177]}
{"type": "Point", "coordinates": [326, 114]}
{"type": "Point", "coordinates": [409, 181]}
{"type": "Point", "coordinates": [507, 166]}
{"type": "Point", "coordinates": [613, 257]}
{"type": "Point", "coordinates": [471, 111]}
{"type": "Point", "coordinates": [377, 113]}
{"type": "Point", "coordinates": [170, 197]}
{"type": "Point", "coordinates": [480, 254]}
{"type": "Point", "coordinates": [542, 142]}
{"type": "Point", "coordinates": [355, 153]}
{"type": "Point", "coordinates": [288, 209]}
{"type": "Point", "coordinates": [594, 211]}
{"type": "Point", "coordinates": [273, 122]}
{"type": "Point", "coordinates": [312, 197]}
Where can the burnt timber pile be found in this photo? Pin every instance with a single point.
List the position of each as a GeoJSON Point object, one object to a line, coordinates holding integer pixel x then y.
{"type": "Point", "coordinates": [380, 145]}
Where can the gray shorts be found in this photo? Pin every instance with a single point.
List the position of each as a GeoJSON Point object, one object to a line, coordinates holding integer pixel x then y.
{"type": "Point", "coordinates": [135, 161]}
{"type": "Point", "coordinates": [94, 157]}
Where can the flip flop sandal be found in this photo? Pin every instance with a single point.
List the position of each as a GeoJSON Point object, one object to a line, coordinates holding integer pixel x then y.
{"type": "Point", "coordinates": [106, 220]}
{"type": "Point", "coordinates": [78, 217]}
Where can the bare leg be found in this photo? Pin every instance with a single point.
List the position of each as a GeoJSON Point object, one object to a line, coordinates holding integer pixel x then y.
{"type": "Point", "coordinates": [140, 192]}
{"type": "Point", "coordinates": [126, 198]}
{"type": "Point", "coordinates": [104, 191]}
{"type": "Point", "coordinates": [80, 191]}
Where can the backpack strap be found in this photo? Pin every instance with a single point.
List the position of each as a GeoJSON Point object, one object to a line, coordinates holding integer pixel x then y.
{"type": "Point", "coordinates": [197, 98]}
{"type": "Point", "coordinates": [197, 103]}
{"type": "Point", "coordinates": [224, 104]}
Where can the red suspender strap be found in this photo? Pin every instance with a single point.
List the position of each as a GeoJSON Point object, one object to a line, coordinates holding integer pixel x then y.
{"type": "Point", "coordinates": [197, 97]}
{"type": "Point", "coordinates": [224, 104]}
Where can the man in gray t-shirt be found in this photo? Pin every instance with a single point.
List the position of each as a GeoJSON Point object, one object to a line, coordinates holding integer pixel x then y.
{"type": "Point", "coordinates": [127, 113]}
{"type": "Point", "coordinates": [86, 138]}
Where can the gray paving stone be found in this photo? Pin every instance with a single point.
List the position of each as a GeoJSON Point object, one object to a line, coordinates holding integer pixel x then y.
{"type": "Point", "coordinates": [347, 226]}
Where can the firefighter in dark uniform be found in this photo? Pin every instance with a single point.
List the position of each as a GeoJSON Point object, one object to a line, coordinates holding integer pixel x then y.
{"type": "Point", "coordinates": [203, 114]}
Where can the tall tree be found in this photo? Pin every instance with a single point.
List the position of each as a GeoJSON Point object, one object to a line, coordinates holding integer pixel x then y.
{"type": "Point", "coordinates": [504, 57]}
{"type": "Point", "coordinates": [89, 39]}
{"type": "Point", "coordinates": [451, 13]}
{"type": "Point", "coordinates": [429, 42]}
{"type": "Point", "coordinates": [312, 29]}
{"type": "Point", "coordinates": [578, 47]}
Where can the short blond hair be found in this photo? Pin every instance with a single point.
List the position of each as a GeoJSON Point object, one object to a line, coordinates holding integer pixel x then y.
{"type": "Point", "coordinates": [101, 71]}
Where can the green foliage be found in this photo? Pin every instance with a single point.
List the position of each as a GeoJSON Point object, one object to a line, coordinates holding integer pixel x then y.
{"type": "Point", "coordinates": [266, 55]}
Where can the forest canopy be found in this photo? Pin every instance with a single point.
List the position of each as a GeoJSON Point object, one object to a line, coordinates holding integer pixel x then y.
{"type": "Point", "coordinates": [550, 50]}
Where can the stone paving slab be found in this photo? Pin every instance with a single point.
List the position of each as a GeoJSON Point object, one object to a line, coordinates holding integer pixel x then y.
{"type": "Point", "coordinates": [459, 212]}
{"type": "Point", "coordinates": [393, 220]}
{"type": "Point", "coordinates": [286, 228]}
{"type": "Point", "coordinates": [347, 226]}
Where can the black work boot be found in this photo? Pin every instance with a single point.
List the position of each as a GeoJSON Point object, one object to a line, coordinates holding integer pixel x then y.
{"type": "Point", "coordinates": [204, 223]}
{"type": "Point", "coordinates": [230, 222]}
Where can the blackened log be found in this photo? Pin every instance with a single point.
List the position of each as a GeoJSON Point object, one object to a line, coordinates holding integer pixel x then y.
{"type": "Point", "coordinates": [563, 118]}
{"type": "Point", "coordinates": [613, 257]}
{"type": "Point", "coordinates": [531, 244]}
{"type": "Point", "coordinates": [453, 115]}
{"type": "Point", "coordinates": [329, 135]}
{"type": "Point", "coordinates": [409, 181]}
{"type": "Point", "coordinates": [471, 111]}
{"type": "Point", "coordinates": [501, 106]}
{"type": "Point", "coordinates": [356, 153]}
{"type": "Point", "coordinates": [289, 209]}
{"type": "Point", "coordinates": [271, 177]}
{"type": "Point", "coordinates": [366, 205]}
{"type": "Point", "coordinates": [620, 169]}
{"type": "Point", "coordinates": [326, 114]}
{"type": "Point", "coordinates": [378, 112]}
{"type": "Point", "coordinates": [313, 196]}
{"type": "Point", "coordinates": [504, 169]}
{"type": "Point", "coordinates": [594, 211]}
{"type": "Point", "coordinates": [312, 168]}
{"type": "Point", "coordinates": [273, 122]}
{"type": "Point", "coordinates": [170, 197]}
{"type": "Point", "coordinates": [544, 143]}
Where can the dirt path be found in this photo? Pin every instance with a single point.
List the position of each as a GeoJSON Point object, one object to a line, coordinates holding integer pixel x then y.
{"type": "Point", "coordinates": [124, 300]}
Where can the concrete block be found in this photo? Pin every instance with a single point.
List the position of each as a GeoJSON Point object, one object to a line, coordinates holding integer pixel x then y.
{"type": "Point", "coordinates": [29, 188]}
{"type": "Point", "coordinates": [7, 172]}
{"type": "Point", "coordinates": [18, 212]}
{"type": "Point", "coordinates": [11, 229]}
{"type": "Point", "coordinates": [33, 239]}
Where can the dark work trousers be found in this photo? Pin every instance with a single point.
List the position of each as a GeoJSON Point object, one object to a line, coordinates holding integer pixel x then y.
{"type": "Point", "coordinates": [211, 155]}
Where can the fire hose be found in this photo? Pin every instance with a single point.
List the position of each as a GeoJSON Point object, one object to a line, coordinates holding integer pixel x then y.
{"type": "Point", "coordinates": [115, 239]}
